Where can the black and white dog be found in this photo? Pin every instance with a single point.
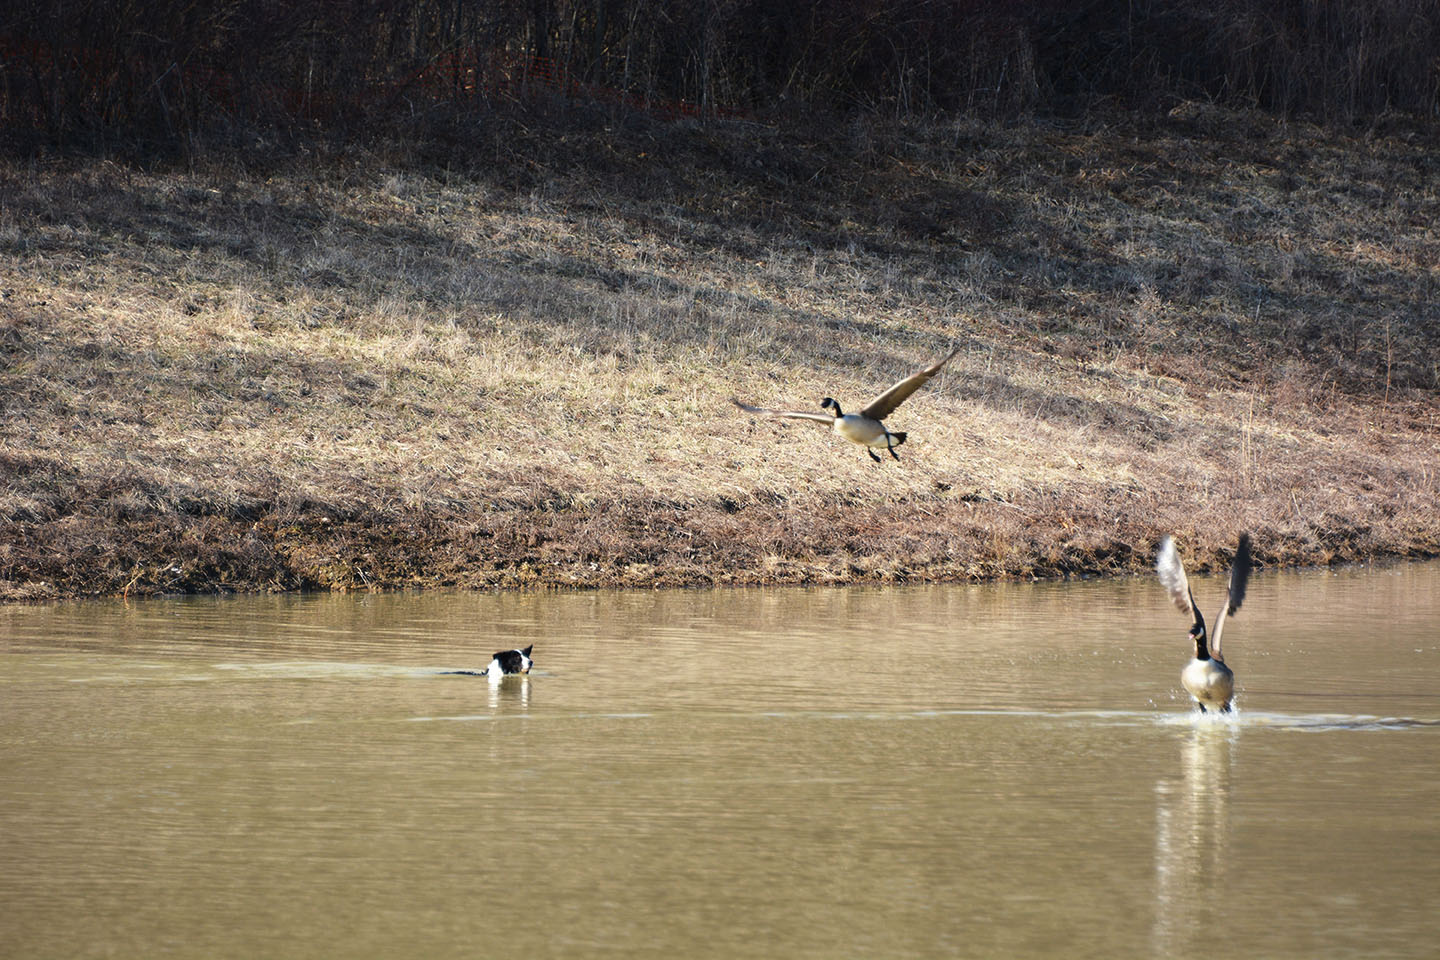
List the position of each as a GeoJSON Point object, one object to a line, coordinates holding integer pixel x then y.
{"type": "Point", "coordinates": [503, 664]}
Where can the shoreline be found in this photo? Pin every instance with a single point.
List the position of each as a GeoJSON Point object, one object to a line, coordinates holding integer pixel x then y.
{"type": "Point", "coordinates": [317, 555]}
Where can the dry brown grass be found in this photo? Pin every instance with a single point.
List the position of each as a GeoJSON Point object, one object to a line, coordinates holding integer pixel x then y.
{"type": "Point", "coordinates": [372, 371]}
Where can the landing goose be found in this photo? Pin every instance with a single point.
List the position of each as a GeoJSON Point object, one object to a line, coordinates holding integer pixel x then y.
{"type": "Point", "coordinates": [1206, 678]}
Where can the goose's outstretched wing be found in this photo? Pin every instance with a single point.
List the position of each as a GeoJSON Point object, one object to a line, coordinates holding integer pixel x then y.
{"type": "Point", "coordinates": [1235, 592]}
{"type": "Point", "coordinates": [824, 418]}
{"type": "Point", "coordinates": [885, 404]}
{"type": "Point", "coordinates": [1172, 577]}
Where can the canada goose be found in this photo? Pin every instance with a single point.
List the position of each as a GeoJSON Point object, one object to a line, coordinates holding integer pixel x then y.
{"type": "Point", "coordinates": [865, 427]}
{"type": "Point", "coordinates": [1206, 677]}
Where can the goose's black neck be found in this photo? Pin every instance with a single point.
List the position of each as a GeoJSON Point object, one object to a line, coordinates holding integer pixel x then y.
{"type": "Point", "coordinates": [1197, 631]}
{"type": "Point", "coordinates": [1202, 646]}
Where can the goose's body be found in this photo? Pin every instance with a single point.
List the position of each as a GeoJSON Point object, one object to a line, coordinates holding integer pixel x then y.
{"type": "Point", "coordinates": [867, 427]}
{"type": "Point", "coordinates": [1206, 677]}
{"type": "Point", "coordinates": [1210, 682]}
{"type": "Point", "coordinates": [866, 431]}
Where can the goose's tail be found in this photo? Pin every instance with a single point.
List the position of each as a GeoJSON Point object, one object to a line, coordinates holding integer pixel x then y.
{"type": "Point", "coordinates": [897, 438]}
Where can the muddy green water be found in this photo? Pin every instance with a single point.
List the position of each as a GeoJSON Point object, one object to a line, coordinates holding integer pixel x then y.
{"type": "Point", "coordinates": [998, 771]}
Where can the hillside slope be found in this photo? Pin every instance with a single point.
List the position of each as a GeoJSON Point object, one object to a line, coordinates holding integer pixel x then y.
{"type": "Point", "coordinates": [392, 369]}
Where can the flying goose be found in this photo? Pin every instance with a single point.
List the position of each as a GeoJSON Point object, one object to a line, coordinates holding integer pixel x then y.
{"type": "Point", "coordinates": [1206, 677]}
{"type": "Point", "coordinates": [865, 427]}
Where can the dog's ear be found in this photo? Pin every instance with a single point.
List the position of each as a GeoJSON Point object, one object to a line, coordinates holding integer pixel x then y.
{"type": "Point", "coordinates": [527, 650]}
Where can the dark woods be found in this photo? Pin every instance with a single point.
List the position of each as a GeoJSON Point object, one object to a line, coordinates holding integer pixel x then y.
{"type": "Point", "coordinates": [170, 71]}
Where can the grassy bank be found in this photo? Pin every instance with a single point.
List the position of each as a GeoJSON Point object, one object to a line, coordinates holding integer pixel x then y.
{"type": "Point", "coordinates": [512, 365]}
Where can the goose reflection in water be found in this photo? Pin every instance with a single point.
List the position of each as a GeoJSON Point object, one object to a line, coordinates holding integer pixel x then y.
{"type": "Point", "coordinates": [1192, 839]}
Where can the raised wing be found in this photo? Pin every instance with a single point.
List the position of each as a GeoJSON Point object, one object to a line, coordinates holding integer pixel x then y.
{"type": "Point", "coordinates": [885, 404]}
{"type": "Point", "coordinates": [824, 418]}
{"type": "Point", "coordinates": [1172, 576]}
{"type": "Point", "coordinates": [1235, 593]}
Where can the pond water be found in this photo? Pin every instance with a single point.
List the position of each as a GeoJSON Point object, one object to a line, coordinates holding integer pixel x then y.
{"type": "Point", "coordinates": [973, 771]}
